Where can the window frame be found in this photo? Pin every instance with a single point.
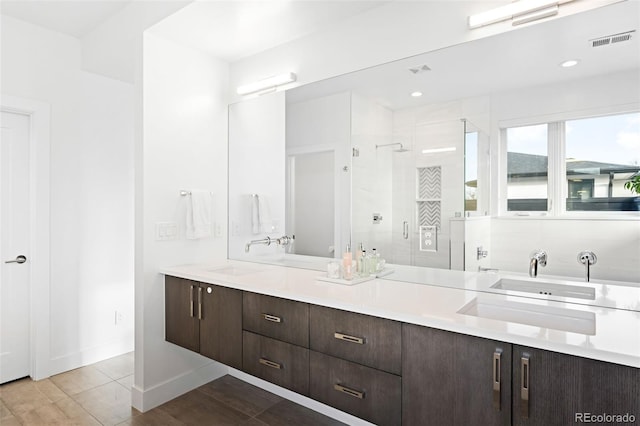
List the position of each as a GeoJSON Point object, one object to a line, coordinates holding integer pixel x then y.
{"type": "Point", "coordinates": [557, 187]}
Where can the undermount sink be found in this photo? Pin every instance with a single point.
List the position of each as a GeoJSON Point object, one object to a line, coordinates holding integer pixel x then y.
{"type": "Point", "coordinates": [537, 315]}
{"type": "Point", "coordinates": [233, 270]}
{"type": "Point", "coordinates": [546, 288]}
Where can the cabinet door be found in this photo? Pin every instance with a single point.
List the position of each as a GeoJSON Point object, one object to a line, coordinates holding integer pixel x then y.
{"type": "Point", "coordinates": [221, 324]}
{"type": "Point", "coordinates": [454, 379]}
{"type": "Point", "coordinates": [281, 319]}
{"type": "Point", "coordinates": [557, 389]}
{"type": "Point", "coordinates": [180, 318]}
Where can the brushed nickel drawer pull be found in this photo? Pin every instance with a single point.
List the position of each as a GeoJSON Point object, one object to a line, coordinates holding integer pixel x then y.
{"type": "Point", "coordinates": [191, 309]}
{"type": "Point", "coordinates": [346, 337]}
{"type": "Point", "coordinates": [496, 379]}
{"type": "Point", "coordinates": [271, 318]}
{"type": "Point", "coordinates": [350, 392]}
{"type": "Point", "coordinates": [270, 364]}
{"type": "Point", "coordinates": [524, 386]}
{"type": "Point", "coordinates": [199, 302]}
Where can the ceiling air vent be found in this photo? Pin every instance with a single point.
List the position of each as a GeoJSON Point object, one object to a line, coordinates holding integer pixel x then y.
{"type": "Point", "coordinates": [611, 39]}
{"type": "Point", "coordinates": [419, 69]}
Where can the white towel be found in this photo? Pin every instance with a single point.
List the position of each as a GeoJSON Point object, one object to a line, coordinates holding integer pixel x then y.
{"type": "Point", "coordinates": [255, 214]}
{"type": "Point", "coordinates": [199, 208]}
{"type": "Point", "coordinates": [266, 223]}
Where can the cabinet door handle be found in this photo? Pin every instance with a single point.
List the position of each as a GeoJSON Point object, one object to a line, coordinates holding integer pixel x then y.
{"type": "Point", "coordinates": [271, 364]}
{"type": "Point", "coordinates": [271, 318]}
{"type": "Point", "coordinates": [524, 386]}
{"type": "Point", "coordinates": [496, 379]}
{"type": "Point", "coordinates": [199, 302]}
{"type": "Point", "coordinates": [191, 308]}
{"type": "Point", "coordinates": [350, 392]}
{"type": "Point", "coordinates": [405, 230]}
{"type": "Point", "coordinates": [347, 338]}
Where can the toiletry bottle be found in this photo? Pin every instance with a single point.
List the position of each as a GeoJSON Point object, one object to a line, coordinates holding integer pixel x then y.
{"type": "Point", "coordinates": [362, 264]}
{"type": "Point", "coordinates": [373, 262]}
{"type": "Point", "coordinates": [347, 264]}
{"type": "Point", "coordinates": [358, 257]}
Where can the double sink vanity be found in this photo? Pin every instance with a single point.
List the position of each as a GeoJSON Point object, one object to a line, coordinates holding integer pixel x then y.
{"type": "Point", "coordinates": [421, 346]}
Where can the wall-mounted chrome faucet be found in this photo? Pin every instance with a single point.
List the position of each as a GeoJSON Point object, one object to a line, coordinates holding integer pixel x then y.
{"type": "Point", "coordinates": [537, 258]}
{"type": "Point", "coordinates": [480, 253]}
{"type": "Point", "coordinates": [587, 258]}
{"type": "Point", "coordinates": [285, 240]}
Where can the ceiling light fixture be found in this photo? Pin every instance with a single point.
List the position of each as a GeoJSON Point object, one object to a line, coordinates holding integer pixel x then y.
{"type": "Point", "coordinates": [520, 11]}
{"type": "Point", "coordinates": [416, 94]}
{"type": "Point", "coordinates": [268, 84]}
{"type": "Point", "coordinates": [437, 150]}
{"type": "Point", "coordinates": [570, 63]}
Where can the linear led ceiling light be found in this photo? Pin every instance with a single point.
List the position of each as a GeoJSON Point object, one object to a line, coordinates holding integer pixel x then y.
{"type": "Point", "coordinates": [267, 84]}
{"type": "Point", "coordinates": [437, 150]}
{"type": "Point", "coordinates": [520, 11]}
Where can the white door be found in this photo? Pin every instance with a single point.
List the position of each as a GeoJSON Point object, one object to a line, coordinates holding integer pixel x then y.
{"type": "Point", "coordinates": [15, 356]}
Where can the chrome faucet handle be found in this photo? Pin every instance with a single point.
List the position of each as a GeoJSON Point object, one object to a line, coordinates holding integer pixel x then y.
{"type": "Point", "coordinates": [540, 256]}
{"type": "Point", "coordinates": [587, 258]}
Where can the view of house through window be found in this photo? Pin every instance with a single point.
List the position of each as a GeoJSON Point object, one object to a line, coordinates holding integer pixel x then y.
{"type": "Point", "coordinates": [601, 154]}
{"type": "Point", "coordinates": [527, 168]}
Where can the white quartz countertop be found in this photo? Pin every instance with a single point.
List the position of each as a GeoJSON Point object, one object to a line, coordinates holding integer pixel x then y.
{"type": "Point", "coordinates": [614, 338]}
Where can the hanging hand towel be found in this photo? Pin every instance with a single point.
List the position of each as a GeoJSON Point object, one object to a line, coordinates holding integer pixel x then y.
{"type": "Point", "coordinates": [199, 208]}
{"type": "Point", "coordinates": [255, 214]}
{"type": "Point", "coordinates": [266, 223]}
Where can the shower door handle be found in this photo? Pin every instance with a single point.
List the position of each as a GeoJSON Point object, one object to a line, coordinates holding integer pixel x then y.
{"type": "Point", "coordinates": [405, 230]}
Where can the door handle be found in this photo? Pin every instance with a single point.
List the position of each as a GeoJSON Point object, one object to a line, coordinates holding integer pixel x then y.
{"type": "Point", "coordinates": [405, 230]}
{"type": "Point", "coordinates": [524, 387]}
{"type": "Point", "coordinates": [497, 355]}
{"type": "Point", "coordinates": [19, 259]}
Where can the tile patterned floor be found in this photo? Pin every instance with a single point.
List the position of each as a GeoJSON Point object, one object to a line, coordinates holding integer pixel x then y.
{"type": "Point", "coordinates": [100, 394]}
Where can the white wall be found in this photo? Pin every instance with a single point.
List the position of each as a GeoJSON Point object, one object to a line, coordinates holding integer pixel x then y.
{"type": "Point", "coordinates": [184, 146]}
{"type": "Point", "coordinates": [91, 192]}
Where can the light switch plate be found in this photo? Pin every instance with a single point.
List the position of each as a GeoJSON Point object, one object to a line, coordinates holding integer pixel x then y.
{"type": "Point", "coordinates": [166, 231]}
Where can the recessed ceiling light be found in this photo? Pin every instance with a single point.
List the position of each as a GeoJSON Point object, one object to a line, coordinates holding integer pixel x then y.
{"type": "Point", "coordinates": [569, 63]}
{"type": "Point", "coordinates": [416, 94]}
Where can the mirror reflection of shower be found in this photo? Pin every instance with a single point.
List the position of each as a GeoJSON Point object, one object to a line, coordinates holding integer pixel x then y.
{"type": "Point", "coordinates": [401, 147]}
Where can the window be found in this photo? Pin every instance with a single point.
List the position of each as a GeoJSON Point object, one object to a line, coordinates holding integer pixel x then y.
{"type": "Point", "coordinates": [527, 168]}
{"type": "Point", "coordinates": [577, 165]}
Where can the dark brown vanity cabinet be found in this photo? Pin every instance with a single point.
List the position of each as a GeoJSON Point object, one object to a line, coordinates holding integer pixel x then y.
{"type": "Point", "coordinates": [276, 341]}
{"type": "Point", "coordinates": [454, 379]}
{"type": "Point", "coordinates": [550, 388]}
{"type": "Point", "coordinates": [356, 364]}
{"type": "Point", "coordinates": [204, 318]}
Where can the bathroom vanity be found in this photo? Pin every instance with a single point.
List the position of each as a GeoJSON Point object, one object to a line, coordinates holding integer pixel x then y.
{"type": "Point", "coordinates": [392, 352]}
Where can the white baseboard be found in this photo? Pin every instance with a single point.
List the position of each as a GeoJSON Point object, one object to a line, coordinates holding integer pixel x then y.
{"type": "Point", "coordinates": [89, 356]}
{"type": "Point", "coordinates": [147, 399]}
{"type": "Point", "coordinates": [299, 399]}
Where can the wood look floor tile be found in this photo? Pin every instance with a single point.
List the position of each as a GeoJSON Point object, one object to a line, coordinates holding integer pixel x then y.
{"type": "Point", "coordinates": [288, 413]}
{"type": "Point", "coordinates": [117, 367]}
{"type": "Point", "coordinates": [240, 395]}
{"type": "Point", "coordinates": [26, 395]}
{"type": "Point", "coordinates": [197, 408]}
{"type": "Point", "coordinates": [154, 417]}
{"type": "Point", "coordinates": [109, 403]}
{"type": "Point", "coordinates": [126, 381]}
{"type": "Point", "coordinates": [54, 414]}
{"type": "Point", "coordinates": [81, 379]}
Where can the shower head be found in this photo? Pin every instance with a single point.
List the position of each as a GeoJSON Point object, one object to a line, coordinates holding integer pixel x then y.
{"type": "Point", "coordinates": [400, 149]}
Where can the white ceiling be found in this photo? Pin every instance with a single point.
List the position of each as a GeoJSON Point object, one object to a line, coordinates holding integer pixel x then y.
{"type": "Point", "coordinates": [230, 30]}
{"type": "Point", "coordinates": [227, 29]}
{"type": "Point", "coordinates": [75, 18]}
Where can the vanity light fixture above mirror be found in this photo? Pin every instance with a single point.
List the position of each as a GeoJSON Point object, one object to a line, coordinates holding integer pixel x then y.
{"type": "Point", "coordinates": [267, 84]}
{"type": "Point", "coordinates": [520, 11]}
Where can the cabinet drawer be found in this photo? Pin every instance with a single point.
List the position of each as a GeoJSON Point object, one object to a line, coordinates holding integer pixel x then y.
{"type": "Point", "coordinates": [367, 393]}
{"type": "Point", "coordinates": [281, 319]}
{"type": "Point", "coordinates": [277, 362]}
{"type": "Point", "coordinates": [364, 339]}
